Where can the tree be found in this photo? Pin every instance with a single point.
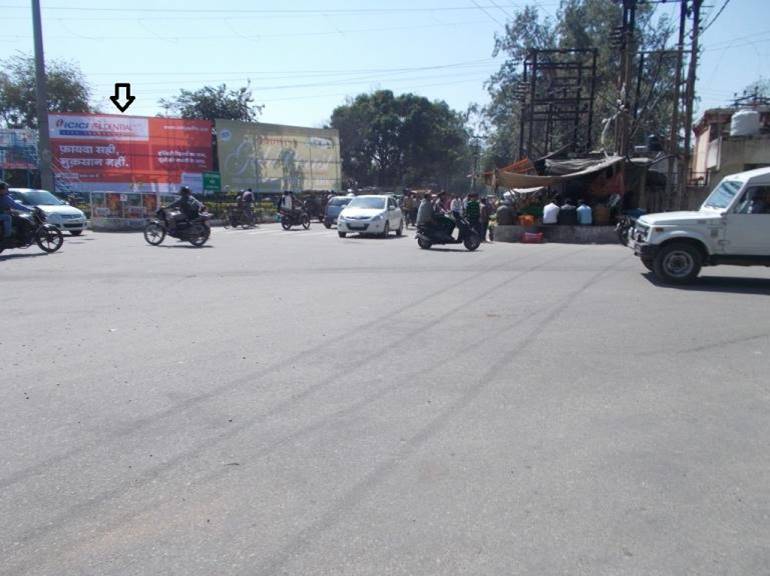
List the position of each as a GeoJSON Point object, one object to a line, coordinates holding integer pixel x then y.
{"type": "Point", "coordinates": [212, 102]}
{"type": "Point", "coordinates": [67, 90]}
{"type": "Point", "coordinates": [401, 141]}
{"type": "Point", "coordinates": [580, 24]}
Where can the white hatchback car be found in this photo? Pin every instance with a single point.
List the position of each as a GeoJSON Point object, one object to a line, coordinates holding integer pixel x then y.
{"type": "Point", "coordinates": [373, 214]}
{"type": "Point", "coordinates": [65, 217]}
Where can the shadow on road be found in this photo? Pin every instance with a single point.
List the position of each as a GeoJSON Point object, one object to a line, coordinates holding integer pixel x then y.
{"type": "Point", "coordinates": [187, 246]}
{"type": "Point", "coordinates": [17, 256]}
{"type": "Point", "coordinates": [729, 284]}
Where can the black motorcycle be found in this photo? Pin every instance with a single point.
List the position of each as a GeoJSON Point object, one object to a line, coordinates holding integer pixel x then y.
{"type": "Point", "coordinates": [195, 231]}
{"type": "Point", "coordinates": [240, 216]}
{"type": "Point", "coordinates": [625, 225]}
{"type": "Point", "coordinates": [31, 227]}
{"type": "Point", "coordinates": [427, 236]}
{"type": "Point", "coordinates": [295, 218]}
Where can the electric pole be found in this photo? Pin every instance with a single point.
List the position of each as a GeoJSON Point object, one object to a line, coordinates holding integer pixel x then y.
{"type": "Point", "coordinates": [689, 97]}
{"type": "Point", "coordinates": [673, 137]}
{"type": "Point", "coordinates": [628, 45]}
{"type": "Point", "coordinates": [43, 144]}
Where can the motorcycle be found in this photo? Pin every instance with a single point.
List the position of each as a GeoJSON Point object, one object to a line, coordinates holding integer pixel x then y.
{"type": "Point", "coordinates": [31, 227]}
{"type": "Point", "coordinates": [427, 236]}
{"type": "Point", "coordinates": [295, 218]}
{"type": "Point", "coordinates": [195, 231]}
{"type": "Point", "coordinates": [626, 224]}
{"type": "Point", "coordinates": [239, 216]}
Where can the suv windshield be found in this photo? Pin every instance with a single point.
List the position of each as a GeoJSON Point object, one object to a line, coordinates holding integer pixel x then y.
{"type": "Point", "coordinates": [722, 194]}
{"type": "Point", "coordinates": [370, 202]}
{"type": "Point", "coordinates": [37, 198]}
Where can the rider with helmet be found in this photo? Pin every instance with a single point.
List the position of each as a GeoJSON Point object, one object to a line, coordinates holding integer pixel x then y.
{"type": "Point", "coordinates": [189, 208]}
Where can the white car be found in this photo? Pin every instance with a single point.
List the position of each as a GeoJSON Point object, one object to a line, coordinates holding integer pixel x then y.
{"type": "Point", "coordinates": [374, 214]}
{"type": "Point", "coordinates": [57, 212]}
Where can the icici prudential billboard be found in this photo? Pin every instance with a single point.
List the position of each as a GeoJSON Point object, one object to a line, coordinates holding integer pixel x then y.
{"type": "Point", "coordinates": [104, 152]}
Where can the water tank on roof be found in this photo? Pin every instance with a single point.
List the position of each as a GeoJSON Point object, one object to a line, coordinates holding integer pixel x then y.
{"type": "Point", "coordinates": [744, 123]}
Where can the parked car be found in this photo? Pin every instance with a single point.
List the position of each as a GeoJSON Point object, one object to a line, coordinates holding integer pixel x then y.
{"type": "Point", "coordinates": [333, 209]}
{"type": "Point", "coordinates": [57, 212]}
{"type": "Point", "coordinates": [731, 227]}
{"type": "Point", "coordinates": [375, 214]}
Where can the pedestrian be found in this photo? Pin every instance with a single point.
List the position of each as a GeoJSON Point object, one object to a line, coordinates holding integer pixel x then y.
{"type": "Point", "coordinates": [483, 218]}
{"type": "Point", "coordinates": [456, 207]}
{"type": "Point", "coordinates": [473, 211]}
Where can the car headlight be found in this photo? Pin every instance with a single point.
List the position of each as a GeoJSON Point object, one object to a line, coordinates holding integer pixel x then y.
{"type": "Point", "coordinates": [377, 218]}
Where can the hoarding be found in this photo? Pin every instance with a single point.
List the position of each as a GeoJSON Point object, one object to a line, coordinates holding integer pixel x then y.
{"type": "Point", "coordinates": [103, 152]}
{"type": "Point", "coordinates": [18, 149]}
{"type": "Point", "coordinates": [272, 158]}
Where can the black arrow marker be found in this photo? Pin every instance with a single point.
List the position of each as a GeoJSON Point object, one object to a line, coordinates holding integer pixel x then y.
{"type": "Point", "coordinates": [116, 98]}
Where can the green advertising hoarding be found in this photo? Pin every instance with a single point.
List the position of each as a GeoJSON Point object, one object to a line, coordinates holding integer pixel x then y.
{"type": "Point", "coordinates": [272, 158]}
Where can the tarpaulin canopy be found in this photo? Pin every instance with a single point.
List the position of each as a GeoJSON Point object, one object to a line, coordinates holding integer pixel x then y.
{"type": "Point", "coordinates": [584, 168]}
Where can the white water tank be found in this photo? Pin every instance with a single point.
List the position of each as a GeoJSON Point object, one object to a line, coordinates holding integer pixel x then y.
{"type": "Point", "coordinates": [744, 123]}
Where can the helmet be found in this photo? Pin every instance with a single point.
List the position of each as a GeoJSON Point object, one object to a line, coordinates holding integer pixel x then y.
{"type": "Point", "coordinates": [3, 185]}
{"type": "Point", "coordinates": [184, 190]}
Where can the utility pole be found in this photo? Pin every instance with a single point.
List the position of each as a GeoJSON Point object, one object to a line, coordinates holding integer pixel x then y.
{"type": "Point", "coordinates": [628, 55]}
{"type": "Point", "coordinates": [43, 143]}
{"type": "Point", "coordinates": [673, 138]}
{"type": "Point", "coordinates": [689, 98]}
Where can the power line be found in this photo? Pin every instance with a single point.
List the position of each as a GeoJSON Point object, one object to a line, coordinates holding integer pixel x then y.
{"type": "Point", "coordinates": [480, 7]}
{"type": "Point", "coordinates": [288, 11]}
{"type": "Point", "coordinates": [714, 19]}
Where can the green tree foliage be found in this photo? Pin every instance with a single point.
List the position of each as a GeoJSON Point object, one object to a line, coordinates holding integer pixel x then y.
{"type": "Point", "coordinates": [67, 90]}
{"type": "Point", "coordinates": [401, 141]}
{"type": "Point", "coordinates": [212, 102]}
{"type": "Point", "coordinates": [580, 24]}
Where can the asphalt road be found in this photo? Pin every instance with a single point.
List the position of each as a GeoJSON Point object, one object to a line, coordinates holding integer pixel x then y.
{"type": "Point", "coordinates": [293, 403]}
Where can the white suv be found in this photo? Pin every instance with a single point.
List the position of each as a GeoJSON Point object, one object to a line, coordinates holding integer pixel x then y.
{"type": "Point", "coordinates": [731, 227]}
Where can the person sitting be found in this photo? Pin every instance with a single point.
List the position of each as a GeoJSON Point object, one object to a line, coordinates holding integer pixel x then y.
{"type": "Point", "coordinates": [425, 212]}
{"type": "Point", "coordinates": [567, 215]}
{"type": "Point", "coordinates": [758, 202]}
{"type": "Point", "coordinates": [551, 211]}
{"type": "Point", "coordinates": [584, 213]}
{"type": "Point", "coordinates": [6, 205]}
{"type": "Point", "coordinates": [443, 223]}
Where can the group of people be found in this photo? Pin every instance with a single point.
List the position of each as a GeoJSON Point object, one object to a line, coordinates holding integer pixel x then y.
{"type": "Point", "coordinates": [568, 213]}
{"type": "Point", "coordinates": [434, 211]}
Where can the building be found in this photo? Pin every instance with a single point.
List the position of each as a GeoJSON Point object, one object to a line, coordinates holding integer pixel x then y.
{"type": "Point", "coordinates": [721, 151]}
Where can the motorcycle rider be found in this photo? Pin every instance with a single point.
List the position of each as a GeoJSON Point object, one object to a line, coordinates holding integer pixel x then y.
{"type": "Point", "coordinates": [425, 212]}
{"type": "Point", "coordinates": [6, 205]}
{"type": "Point", "coordinates": [189, 208]}
{"type": "Point", "coordinates": [247, 203]}
{"type": "Point", "coordinates": [288, 204]}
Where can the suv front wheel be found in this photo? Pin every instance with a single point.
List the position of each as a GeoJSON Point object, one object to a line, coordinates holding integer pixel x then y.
{"type": "Point", "coordinates": [677, 263]}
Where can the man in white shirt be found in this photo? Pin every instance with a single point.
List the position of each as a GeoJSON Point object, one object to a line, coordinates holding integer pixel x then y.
{"type": "Point", "coordinates": [456, 207]}
{"type": "Point", "coordinates": [551, 212]}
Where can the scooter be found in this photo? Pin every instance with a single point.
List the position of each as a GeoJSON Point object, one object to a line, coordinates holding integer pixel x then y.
{"type": "Point", "coordinates": [427, 236]}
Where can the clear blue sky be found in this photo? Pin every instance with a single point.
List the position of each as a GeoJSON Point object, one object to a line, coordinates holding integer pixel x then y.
{"type": "Point", "coordinates": [304, 57]}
